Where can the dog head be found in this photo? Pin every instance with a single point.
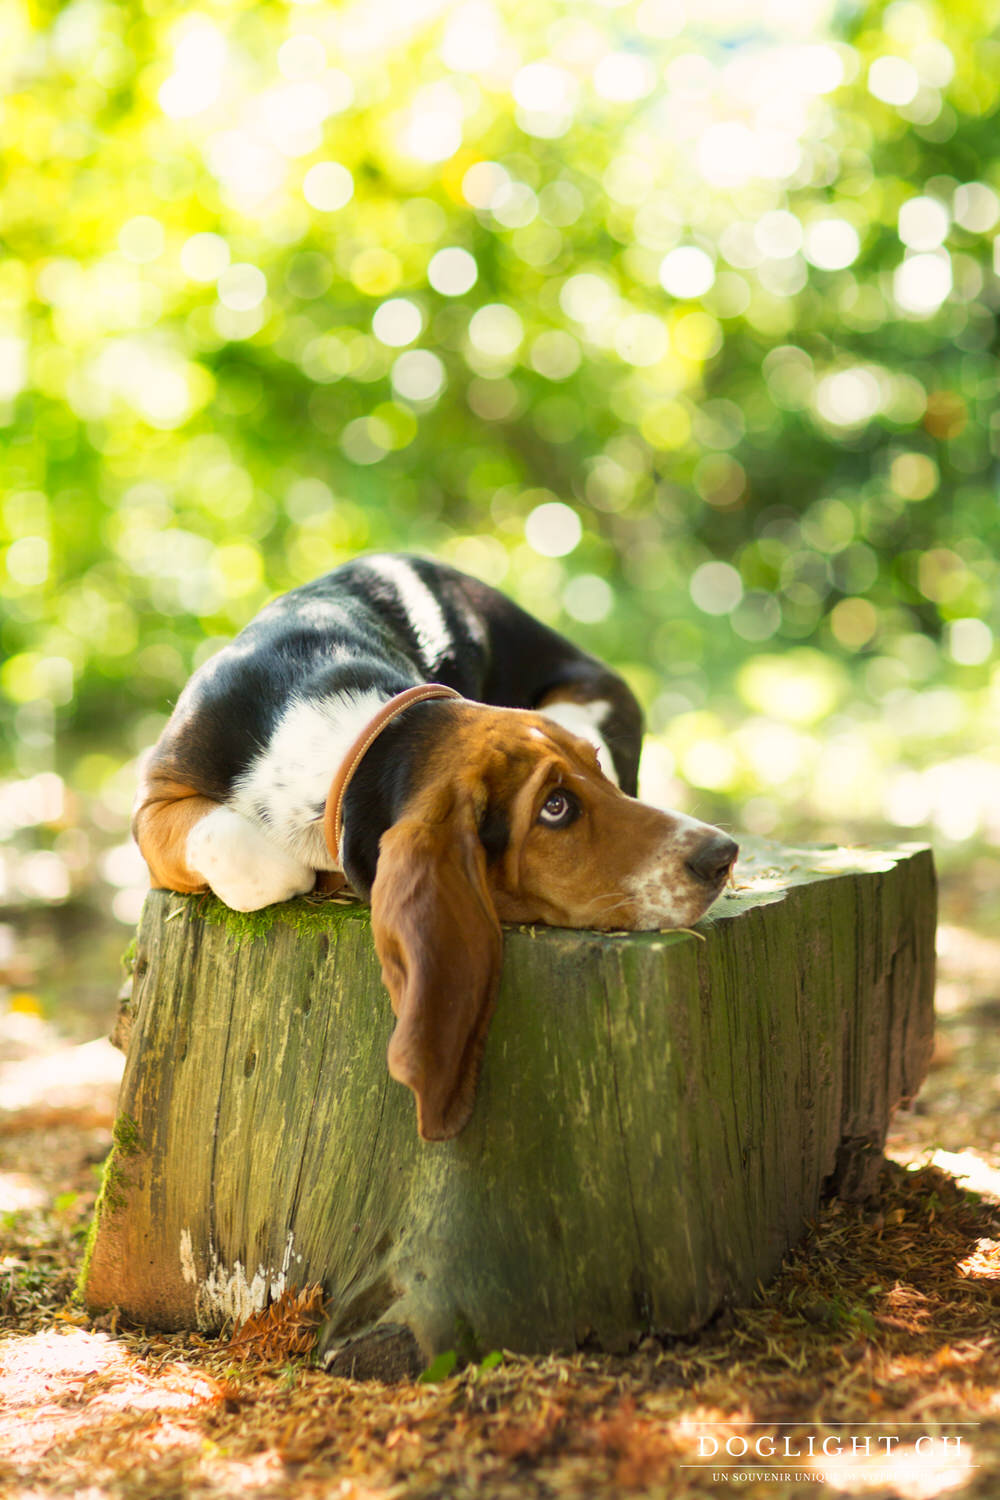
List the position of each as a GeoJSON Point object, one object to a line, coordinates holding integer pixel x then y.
{"type": "Point", "coordinates": [508, 817]}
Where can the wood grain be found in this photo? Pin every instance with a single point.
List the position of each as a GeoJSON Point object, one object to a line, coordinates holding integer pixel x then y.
{"type": "Point", "coordinates": [657, 1117]}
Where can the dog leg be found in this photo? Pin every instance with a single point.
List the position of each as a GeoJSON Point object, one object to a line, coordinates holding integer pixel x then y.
{"type": "Point", "coordinates": [162, 820]}
{"type": "Point", "coordinates": [241, 864]}
{"type": "Point", "coordinates": [192, 843]}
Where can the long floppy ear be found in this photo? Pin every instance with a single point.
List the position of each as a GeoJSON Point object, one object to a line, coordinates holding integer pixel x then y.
{"type": "Point", "coordinates": [440, 944]}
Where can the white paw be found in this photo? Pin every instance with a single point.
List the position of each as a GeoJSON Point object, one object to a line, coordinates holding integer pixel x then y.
{"type": "Point", "coordinates": [243, 867]}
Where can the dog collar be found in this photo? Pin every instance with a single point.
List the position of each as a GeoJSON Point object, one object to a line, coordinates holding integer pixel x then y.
{"type": "Point", "coordinates": [333, 818]}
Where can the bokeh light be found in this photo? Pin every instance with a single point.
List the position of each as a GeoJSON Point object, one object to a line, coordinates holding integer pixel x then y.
{"type": "Point", "coordinates": [679, 323]}
{"type": "Point", "coordinates": [328, 186]}
{"type": "Point", "coordinates": [452, 271]}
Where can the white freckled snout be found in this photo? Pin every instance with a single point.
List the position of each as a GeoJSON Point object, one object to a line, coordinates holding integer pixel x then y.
{"type": "Point", "coordinates": [684, 877]}
{"type": "Point", "coordinates": [241, 864]}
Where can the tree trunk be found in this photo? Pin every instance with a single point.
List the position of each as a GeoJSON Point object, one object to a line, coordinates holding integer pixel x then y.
{"type": "Point", "coordinates": [657, 1116]}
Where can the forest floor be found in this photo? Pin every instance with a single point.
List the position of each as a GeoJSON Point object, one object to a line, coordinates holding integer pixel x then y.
{"type": "Point", "coordinates": [871, 1365]}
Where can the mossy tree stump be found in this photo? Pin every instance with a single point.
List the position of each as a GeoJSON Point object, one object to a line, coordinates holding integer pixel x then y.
{"type": "Point", "coordinates": [657, 1116]}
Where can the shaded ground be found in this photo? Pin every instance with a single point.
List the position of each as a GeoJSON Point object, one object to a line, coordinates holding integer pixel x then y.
{"type": "Point", "coordinates": [883, 1327]}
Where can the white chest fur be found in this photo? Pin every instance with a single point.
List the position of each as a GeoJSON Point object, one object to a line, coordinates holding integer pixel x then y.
{"type": "Point", "coordinates": [284, 789]}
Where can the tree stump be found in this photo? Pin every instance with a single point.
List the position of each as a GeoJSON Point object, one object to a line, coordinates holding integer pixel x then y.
{"type": "Point", "coordinates": [658, 1115]}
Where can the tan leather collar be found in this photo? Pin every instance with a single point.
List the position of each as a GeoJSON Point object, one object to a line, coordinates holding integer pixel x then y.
{"type": "Point", "coordinates": [333, 820]}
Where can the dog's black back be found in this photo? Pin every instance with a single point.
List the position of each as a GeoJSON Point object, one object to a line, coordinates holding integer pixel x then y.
{"type": "Point", "coordinates": [385, 622]}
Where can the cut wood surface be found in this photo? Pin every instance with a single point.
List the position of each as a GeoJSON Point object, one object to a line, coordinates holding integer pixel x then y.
{"type": "Point", "coordinates": [657, 1116]}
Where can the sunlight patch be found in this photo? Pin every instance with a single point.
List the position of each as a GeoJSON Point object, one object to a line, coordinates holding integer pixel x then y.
{"type": "Point", "coordinates": [972, 1171]}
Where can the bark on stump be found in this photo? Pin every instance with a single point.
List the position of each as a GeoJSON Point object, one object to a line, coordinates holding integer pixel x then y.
{"type": "Point", "coordinates": [657, 1117]}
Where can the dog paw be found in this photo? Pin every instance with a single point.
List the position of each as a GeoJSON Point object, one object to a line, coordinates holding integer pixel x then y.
{"type": "Point", "coordinates": [242, 866]}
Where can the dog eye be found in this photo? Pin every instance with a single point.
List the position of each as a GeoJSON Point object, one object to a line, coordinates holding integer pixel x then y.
{"type": "Point", "coordinates": [558, 810]}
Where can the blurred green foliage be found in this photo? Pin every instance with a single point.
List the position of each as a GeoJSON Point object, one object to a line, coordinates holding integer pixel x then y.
{"type": "Point", "coordinates": [680, 326]}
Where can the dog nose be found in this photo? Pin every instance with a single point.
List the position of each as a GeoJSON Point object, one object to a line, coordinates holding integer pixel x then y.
{"type": "Point", "coordinates": [713, 859]}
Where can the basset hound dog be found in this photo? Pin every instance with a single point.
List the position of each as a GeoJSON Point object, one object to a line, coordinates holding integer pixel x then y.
{"type": "Point", "coordinates": [408, 728]}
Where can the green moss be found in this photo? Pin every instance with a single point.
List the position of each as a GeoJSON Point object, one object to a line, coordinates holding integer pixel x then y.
{"type": "Point", "coordinates": [112, 1195]}
{"type": "Point", "coordinates": [125, 1134]}
{"type": "Point", "coordinates": [113, 1185]}
{"type": "Point", "coordinates": [306, 915]}
{"type": "Point", "coordinates": [88, 1250]}
{"type": "Point", "coordinates": [128, 958]}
